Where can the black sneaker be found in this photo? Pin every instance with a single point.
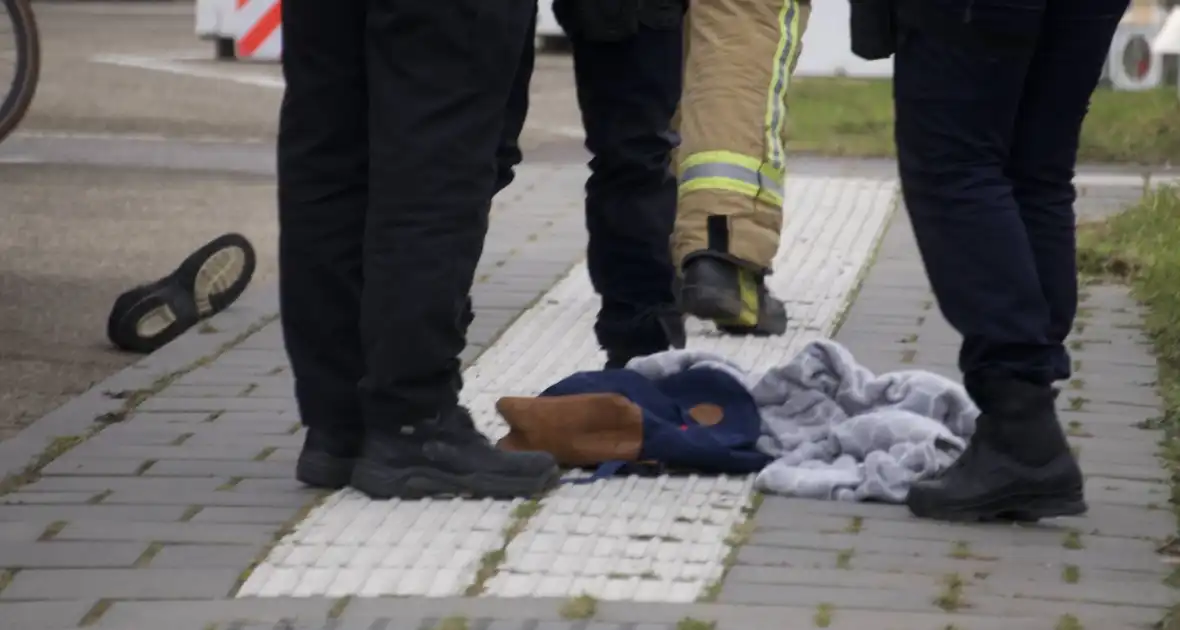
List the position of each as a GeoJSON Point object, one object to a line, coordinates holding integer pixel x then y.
{"type": "Point", "coordinates": [733, 297]}
{"type": "Point", "coordinates": [671, 335]}
{"type": "Point", "coordinates": [328, 458]}
{"type": "Point", "coordinates": [448, 456]}
{"type": "Point", "coordinates": [1017, 467]}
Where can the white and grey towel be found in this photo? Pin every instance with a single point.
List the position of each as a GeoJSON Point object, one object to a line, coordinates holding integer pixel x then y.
{"type": "Point", "coordinates": [837, 430]}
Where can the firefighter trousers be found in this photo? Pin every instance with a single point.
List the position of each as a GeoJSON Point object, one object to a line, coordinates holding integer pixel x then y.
{"type": "Point", "coordinates": [739, 56]}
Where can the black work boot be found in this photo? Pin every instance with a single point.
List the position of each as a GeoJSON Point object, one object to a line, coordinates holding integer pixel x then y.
{"type": "Point", "coordinates": [328, 457]}
{"type": "Point", "coordinates": [732, 296]}
{"type": "Point", "coordinates": [1018, 465]}
{"type": "Point", "coordinates": [448, 456]}
{"type": "Point", "coordinates": [669, 323]}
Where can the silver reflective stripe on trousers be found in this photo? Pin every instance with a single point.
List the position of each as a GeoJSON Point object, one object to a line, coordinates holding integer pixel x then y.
{"type": "Point", "coordinates": [734, 172]}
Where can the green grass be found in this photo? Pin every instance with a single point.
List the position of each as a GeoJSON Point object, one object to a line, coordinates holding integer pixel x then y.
{"type": "Point", "coordinates": [854, 117]}
{"type": "Point", "coordinates": [1142, 248]}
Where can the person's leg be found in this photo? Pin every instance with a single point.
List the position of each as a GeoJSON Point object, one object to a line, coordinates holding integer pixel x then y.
{"type": "Point", "coordinates": [440, 74]}
{"type": "Point", "coordinates": [322, 194]}
{"type": "Point", "coordinates": [732, 159]}
{"type": "Point", "coordinates": [508, 153]}
{"type": "Point", "coordinates": [627, 91]}
{"type": "Point", "coordinates": [961, 101]}
{"type": "Point", "coordinates": [1063, 74]}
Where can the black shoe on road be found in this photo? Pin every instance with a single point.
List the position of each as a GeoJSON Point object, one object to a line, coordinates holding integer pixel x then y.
{"type": "Point", "coordinates": [208, 281]}
{"type": "Point", "coordinates": [731, 296]}
{"type": "Point", "coordinates": [1017, 467]}
{"type": "Point", "coordinates": [448, 456]}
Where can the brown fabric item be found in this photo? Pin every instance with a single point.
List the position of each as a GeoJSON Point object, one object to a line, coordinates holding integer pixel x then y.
{"type": "Point", "coordinates": [578, 430]}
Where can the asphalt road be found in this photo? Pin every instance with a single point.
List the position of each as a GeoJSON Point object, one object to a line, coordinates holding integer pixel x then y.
{"type": "Point", "coordinates": [118, 172]}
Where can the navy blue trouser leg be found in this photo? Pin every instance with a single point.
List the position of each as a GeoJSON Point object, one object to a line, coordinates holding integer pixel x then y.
{"type": "Point", "coordinates": [987, 131]}
{"type": "Point", "coordinates": [628, 92]}
{"type": "Point", "coordinates": [388, 135]}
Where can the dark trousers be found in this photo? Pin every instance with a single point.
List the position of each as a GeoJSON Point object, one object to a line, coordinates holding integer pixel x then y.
{"type": "Point", "coordinates": [386, 167]}
{"type": "Point", "coordinates": [627, 91]}
{"type": "Point", "coordinates": [990, 96]}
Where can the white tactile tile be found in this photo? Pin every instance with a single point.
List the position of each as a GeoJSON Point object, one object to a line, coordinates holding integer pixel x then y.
{"type": "Point", "coordinates": [640, 539]}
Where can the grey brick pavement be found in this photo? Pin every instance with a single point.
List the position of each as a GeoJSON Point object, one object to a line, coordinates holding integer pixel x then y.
{"type": "Point", "coordinates": [151, 521]}
{"type": "Point", "coordinates": [175, 498]}
{"type": "Point", "coordinates": [1102, 569]}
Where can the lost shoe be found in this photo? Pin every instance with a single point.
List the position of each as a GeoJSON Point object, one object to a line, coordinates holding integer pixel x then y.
{"type": "Point", "coordinates": [149, 316]}
{"type": "Point", "coordinates": [733, 297]}
{"type": "Point", "coordinates": [218, 273]}
{"type": "Point", "coordinates": [448, 456]}
{"type": "Point", "coordinates": [1018, 465]}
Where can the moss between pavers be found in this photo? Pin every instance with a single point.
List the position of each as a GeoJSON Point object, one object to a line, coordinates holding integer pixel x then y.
{"type": "Point", "coordinates": [1141, 247]}
{"type": "Point", "coordinates": [282, 532]}
{"type": "Point", "coordinates": [950, 598]}
{"type": "Point", "coordinates": [689, 623]}
{"type": "Point", "coordinates": [490, 563]}
{"type": "Point", "coordinates": [452, 623]}
{"type": "Point", "coordinates": [580, 607]}
{"type": "Point", "coordinates": [823, 616]}
{"type": "Point", "coordinates": [739, 536]}
{"type": "Point", "coordinates": [131, 400]}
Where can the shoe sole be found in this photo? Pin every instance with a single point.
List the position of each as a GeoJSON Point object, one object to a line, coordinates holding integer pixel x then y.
{"type": "Point", "coordinates": [709, 303]}
{"type": "Point", "coordinates": [156, 318]}
{"type": "Point", "coordinates": [217, 276]}
{"type": "Point", "coordinates": [218, 273]}
{"type": "Point", "coordinates": [421, 483]}
{"type": "Point", "coordinates": [1009, 509]}
{"type": "Point", "coordinates": [320, 470]}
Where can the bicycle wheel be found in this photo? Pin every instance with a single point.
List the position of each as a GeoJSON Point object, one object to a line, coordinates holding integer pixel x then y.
{"type": "Point", "coordinates": [20, 62]}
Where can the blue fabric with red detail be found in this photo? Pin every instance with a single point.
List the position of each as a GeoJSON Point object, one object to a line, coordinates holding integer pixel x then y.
{"type": "Point", "coordinates": [671, 436]}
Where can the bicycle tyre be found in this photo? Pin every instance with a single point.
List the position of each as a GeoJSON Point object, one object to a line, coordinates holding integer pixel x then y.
{"type": "Point", "coordinates": [19, 95]}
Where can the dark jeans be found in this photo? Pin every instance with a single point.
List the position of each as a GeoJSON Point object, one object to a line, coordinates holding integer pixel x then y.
{"type": "Point", "coordinates": [990, 96]}
{"type": "Point", "coordinates": [628, 92]}
{"type": "Point", "coordinates": [386, 167]}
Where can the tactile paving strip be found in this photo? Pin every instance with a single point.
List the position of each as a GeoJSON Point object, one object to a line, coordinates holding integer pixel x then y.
{"type": "Point", "coordinates": [638, 539]}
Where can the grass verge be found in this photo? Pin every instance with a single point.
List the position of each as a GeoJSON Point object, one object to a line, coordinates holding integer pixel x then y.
{"type": "Point", "coordinates": [1141, 247]}
{"type": "Point", "coordinates": [854, 117]}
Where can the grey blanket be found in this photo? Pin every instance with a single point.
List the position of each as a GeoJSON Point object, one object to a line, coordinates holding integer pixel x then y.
{"type": "Point", "coordinates": [837, 430]}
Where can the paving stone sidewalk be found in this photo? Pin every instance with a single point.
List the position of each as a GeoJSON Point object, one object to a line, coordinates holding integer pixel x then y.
{"type": "Point", "coordinates": [154, 520]}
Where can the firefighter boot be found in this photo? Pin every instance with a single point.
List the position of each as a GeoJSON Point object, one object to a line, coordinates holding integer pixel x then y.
{"type": "Point", "coordinates": [1018, 465]}
{"type": "Point", "coordinates": [731, 295]}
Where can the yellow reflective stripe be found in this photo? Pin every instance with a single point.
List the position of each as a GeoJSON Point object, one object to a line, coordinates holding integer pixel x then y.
{"type": "Point", "coordinates": [745, 189]}
{"type": "Point", "coordinates": [776, 98]}
{"type": "Point", "coordinates": [734, 172]}
{"type": "Point", "coordinates": [748, 290]}
{"type": "Point", "coordinates": [721, 157]}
